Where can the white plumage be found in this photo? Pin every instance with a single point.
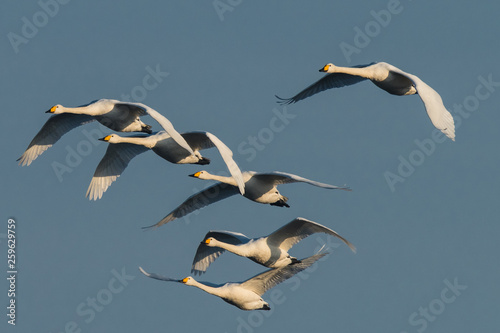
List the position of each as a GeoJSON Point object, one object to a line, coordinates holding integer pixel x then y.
{"type": "Point", "coordinates": [389, 78]}
{"type": "Point", "coordinates": [259, 187]}
{"type": "Point", "coordinates": [246, 295]}
{"type": "Point", "coordinates": [270, 251]}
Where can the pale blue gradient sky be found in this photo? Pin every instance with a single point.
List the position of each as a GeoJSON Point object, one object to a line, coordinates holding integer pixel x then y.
{"type": "Point", "coordinates": [440, 224]}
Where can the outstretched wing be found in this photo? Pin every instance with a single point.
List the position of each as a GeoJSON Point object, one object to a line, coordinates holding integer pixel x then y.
{"type": "Point", "coordinates": [199, 200]}
{"type": "Point", "coordinates": [205, 140]}
{"type": "Point", "coordinates": [157, 276]}
{"type": "Point", "coordinates": [112, 165]}
{"type": "Point", "coordinates": [300, 228]}
{"type": "Point", "coordinates": [205, 255]}
{"type": "Point", "coordinates": [329, 81]}
{"type": "Point", "coordinates": [166, 124]}
{"type": "Point", "coordinates": [55, 127]}
{"type": "Point", "coordinates": [439, 116]}
{"type": "Point", "coordinates": [261, 283]}
{"type": "Point", "coordinates": [278, 178]}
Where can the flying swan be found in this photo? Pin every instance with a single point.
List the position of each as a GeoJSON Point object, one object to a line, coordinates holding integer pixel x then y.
{"type": "Point", "coordinates": [246, 295]}
{"type": "Point", "coordinates": [270, 251]}
{"type": "Point", "coordinates": [123, 149]}
{"type": "Point", "coordinates": [259, 187]}
{"type": "Point", "coordinates": [389, 78]}
{"type": "Point", "coordinates": [116, 115]}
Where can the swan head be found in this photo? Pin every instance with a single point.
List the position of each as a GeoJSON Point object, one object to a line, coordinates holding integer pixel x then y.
{"type": "Point", "coordinates": [189, 281]}
{"type": "Point", "coordinates": [328, 68]}
{"type": "Point", "coordinates": [210, 242]}
{"type": "Point", "coordinates": [56, 109]}
{"type": "Point", "coordinates": [201, 175]}
{"type": "Point", "coordinates": [112, 138]}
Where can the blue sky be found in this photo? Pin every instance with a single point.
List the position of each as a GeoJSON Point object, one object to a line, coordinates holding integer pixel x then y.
{"type": "Point", "coordinates": [427, 241]}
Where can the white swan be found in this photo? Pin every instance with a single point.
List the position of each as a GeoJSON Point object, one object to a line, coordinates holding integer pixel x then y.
{"type": "Point", "coordinates": [389, 78]}
{"type": "Point", "coordinates": [259, 187]}
{"type": "Point", "coordinates": [270, 251]}
{"type": "Point", "coordinates": [246, 295]}
{"type": "Point", "coordinates": [116, 115]}
{"type": "Point", "coordinates": [123, 149]}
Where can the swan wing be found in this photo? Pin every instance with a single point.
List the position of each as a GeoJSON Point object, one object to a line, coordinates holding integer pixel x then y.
{"type": "Point", "coordinates": [131, 108]}
{"type": "Point", "coordinates": [111, 166]}
{"type": "Point", "coordinates": [199, 200]}
{"type": "Point", "coordinates": [329, 81]}
{"type": "Point", "coordinates": [261, 283]}
{"type": "Point", "coordinates": [440, 117]}
{"type": "Point", "coordinates": [205, 255]}
{"type": "Point", "coordinates": [167, 126]}
{"type": "Point", "coordinates": [157, 276]}
{"type": "Point", "coordinates": [55, 127]}
{"type": "Point", "coordinates": [298, 229]}
{"type": "Point", "coordinates": [205, 140]}
{"type": "Point", "coordinates": [278, 178]}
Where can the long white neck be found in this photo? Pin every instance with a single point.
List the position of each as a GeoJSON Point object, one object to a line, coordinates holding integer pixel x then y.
{"type": "Point", "coordinates": [365, 72]}
{"type": "Point", "coordinates": [89, 109]}
{"type": "Point", "coordinates": [222, 179]}
{"type": "Point", "coordinates": [146, 141]}
{"type": "Point", "coordinates": [236, 249]}
{"type": "Point", "coordinates": [211, 290]}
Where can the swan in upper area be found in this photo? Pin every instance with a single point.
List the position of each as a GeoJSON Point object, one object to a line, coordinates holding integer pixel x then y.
{"type": "Point", "coordinates": [259, 187]}
{"type": "Point", "coordinates": [123, 149]}
{"type": "Point", "coordinates": [389, 78]}
{"type": "Point", "coordinates": [116, 115]}
{"type": "Point", "coordinates": [246, 295]}
{"type": "Point", "coordinates": [270, 251]}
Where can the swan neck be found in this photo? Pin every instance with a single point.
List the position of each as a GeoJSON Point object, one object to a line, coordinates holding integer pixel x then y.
{"type": "Point", "coordinates": [363, 72]}
{"type": "Point", "coordinates": [230, 247]}
{"type": "Point", "coordinates": [205, 288]}
{"type": "Point", "coordinates": [223, 179]}
{"type": "Point", "coordinates": [132, 140]}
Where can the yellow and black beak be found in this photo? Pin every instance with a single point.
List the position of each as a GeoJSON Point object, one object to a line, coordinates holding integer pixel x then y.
{"type": "Point", "coordinates": [106, 138]}
{"type": "Point", "coordinates": [184, 280]}
{"type": "Point", "coordinates": [195, 175]}
{"type": "Point", "coordinates": [51, 110]}
{"type": "Point", "coordinates": [324, 69]}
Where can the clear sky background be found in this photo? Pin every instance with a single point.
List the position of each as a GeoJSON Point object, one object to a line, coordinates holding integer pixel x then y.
{"type": "Point", "coordinates": [434, 226]}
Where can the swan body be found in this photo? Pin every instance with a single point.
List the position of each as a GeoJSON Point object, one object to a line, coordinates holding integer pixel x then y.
{"type": "Point", "coordinates": [246, 295]}
{"type": "Point", "coordinates": [123, 149]}
{"type": "Point", "coordinates": [116, 115]}
{"type": "Point", "coordinates": [270, 251]}
{"type": "Point", "coordinates": [389, 78]}
{"type": "Point", "coordinates": [259, 187]}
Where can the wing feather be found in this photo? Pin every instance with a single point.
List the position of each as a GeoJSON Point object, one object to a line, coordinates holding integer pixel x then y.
{"type": "Point", "coordinates": [111, 166]}
{"type": "Point", "coordinates": [205, 255]}
{"type": "Point", "coordinates": [270, 278]}
{"type": "Point", "coordinates": [55, 127]}
{"type": "Point", "coordinates": [199, 200]}
{"type": "Point", "coordinates": [298, 229]}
